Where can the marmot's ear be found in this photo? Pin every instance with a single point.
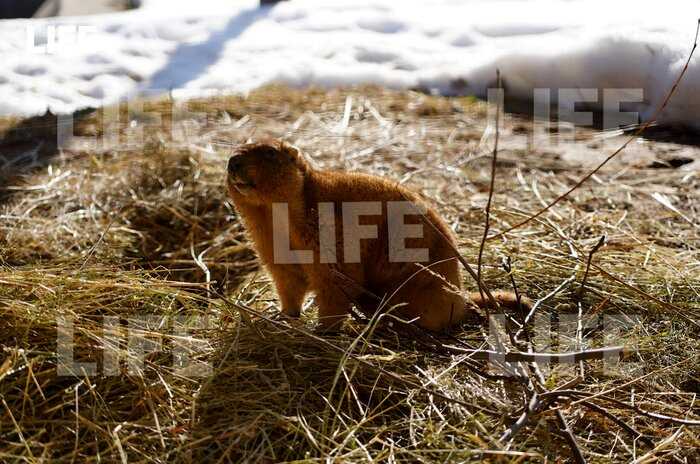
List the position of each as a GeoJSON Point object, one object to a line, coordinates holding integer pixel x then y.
{"type": "Point", "coordinates": [290, 150]}
{"type": "Point", "coordinates": [296, 154]}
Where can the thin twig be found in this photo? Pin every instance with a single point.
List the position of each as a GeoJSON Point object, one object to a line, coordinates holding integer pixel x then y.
{"type": "Point", "coordinates": [534, 406]}
{"type": "Point", "coordinates": [539, 357]}
{"type": "Point", "coordinates": [539, 302]}
{"type": "Point", "coordinates": [535, 403]}
{"type": "Point", "coordinates": [570, 438]}
{"type": "Point", "coordinates": [508, 267]}
{"type": "Point", "coordinates": [635, 408]}
{"type": "Point", "coordinates": [604, 412]}
{"type": "Point", "coordinates": [593, 251]}
{"type": "Point", "coordinates": [494, 159]}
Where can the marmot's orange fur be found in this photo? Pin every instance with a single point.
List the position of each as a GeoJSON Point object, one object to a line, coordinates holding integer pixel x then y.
{"type": "Point", "coordinates": [260, 175]}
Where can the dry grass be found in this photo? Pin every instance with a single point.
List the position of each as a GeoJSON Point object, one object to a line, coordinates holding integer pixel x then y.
{"type": "Point", "coordinates": [147, 230]}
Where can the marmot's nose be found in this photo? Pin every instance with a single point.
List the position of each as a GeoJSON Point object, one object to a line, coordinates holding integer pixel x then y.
{"type": "Point", "coordinates": [234, 164]}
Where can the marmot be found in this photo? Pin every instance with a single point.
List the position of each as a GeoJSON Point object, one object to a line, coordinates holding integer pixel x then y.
{"type": "Point", "coordinates": [349, 238]}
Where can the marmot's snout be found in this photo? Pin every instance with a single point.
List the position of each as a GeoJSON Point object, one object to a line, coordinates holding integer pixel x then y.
{"type": "Point", "coordinates": [238, 170]}
{"type": "Point", "coordinates": [234, 164]}
{"type": "Point", "coordinates": [239, 178]}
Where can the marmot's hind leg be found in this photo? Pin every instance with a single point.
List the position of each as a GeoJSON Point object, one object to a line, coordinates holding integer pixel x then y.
{"type": "Point", "coordinates": [433, 297]}
{"type": "Point", "coordinates": [434, 307]}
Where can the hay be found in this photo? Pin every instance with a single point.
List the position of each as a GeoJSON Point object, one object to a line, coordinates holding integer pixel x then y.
{"type": "Point", "coordinates": [147, 231]}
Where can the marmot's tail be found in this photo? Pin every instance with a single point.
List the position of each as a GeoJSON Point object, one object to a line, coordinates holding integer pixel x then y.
{"type": "Point", "coordinates": [507, 300]}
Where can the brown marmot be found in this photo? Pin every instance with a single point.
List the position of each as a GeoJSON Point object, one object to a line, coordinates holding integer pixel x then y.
{"type": "Point", "coordinates": [349, 238]}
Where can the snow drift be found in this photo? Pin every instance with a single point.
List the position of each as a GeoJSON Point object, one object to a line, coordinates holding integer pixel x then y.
{"type": "Point", "coordinates": [446, 46]}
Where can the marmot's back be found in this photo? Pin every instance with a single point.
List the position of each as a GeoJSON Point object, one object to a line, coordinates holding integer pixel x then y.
{"type": "Point", "coordinates": [339, 187]}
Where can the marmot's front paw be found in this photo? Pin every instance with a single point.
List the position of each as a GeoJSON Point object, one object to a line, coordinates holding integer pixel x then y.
{"type": "Point", "coordinates": [290, 313]}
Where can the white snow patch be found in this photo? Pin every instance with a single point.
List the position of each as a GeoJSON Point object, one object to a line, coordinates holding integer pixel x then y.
{"type": "Point", "coordinates": [447, 46]}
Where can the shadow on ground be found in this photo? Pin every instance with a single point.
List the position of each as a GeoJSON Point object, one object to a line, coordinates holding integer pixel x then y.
{"type": "Point", "coordinates": [274, 395]}
{"type": "Point", "coordinates": [189, 61]}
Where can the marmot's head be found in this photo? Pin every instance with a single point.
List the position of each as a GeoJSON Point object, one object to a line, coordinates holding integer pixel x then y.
{"type": "Point", "coordinates": [266, 172]}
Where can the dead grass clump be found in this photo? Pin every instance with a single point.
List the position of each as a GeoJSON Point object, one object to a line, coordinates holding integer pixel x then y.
{"type": "Point", "coordinates": [64, 415]}
{"type": "Point", "coordinates": [143, 238]}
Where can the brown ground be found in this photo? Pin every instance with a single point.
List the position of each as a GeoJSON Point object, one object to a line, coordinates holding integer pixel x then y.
{"type": "Point", "coordinates": [146, 230]}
